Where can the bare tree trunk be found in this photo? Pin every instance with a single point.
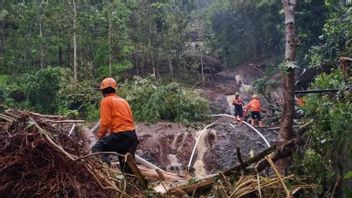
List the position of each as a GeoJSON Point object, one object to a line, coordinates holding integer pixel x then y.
{"type": "Point", "coordinates": [136, 62]}
{"type": "Point", "coordinates": [110, 51]}
{"type": "Point", "coordinates": [171, 68]}
{"type": "Point", "coordinates": [41, 44]}
{"type": "Point", "coordinates": [3, 42]}
{"type": "Point", "coordinates": [286, 131]}
{"type": "Point", "coordinates": [151, 57]}
{"type": "Point", "coordinates": [60, 55]}
{"type": "Point", "coordinates": [74, 42]}
{"type": "Point", "coordinates": [202, 67]}
{"type": "Point", "coordinates": [251, 39]}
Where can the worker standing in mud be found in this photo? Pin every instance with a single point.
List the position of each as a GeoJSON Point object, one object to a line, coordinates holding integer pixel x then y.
{"type": "Point", "coordinates": [255, 107]}
{"type": "Point", "coordinates": [117, 129]}
{"type": "Point", "coordinates": [238, 103]}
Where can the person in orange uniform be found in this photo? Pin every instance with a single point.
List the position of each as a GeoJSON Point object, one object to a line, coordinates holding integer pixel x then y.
{"type": "Point", "coordinates": [117, 129]}
{"type": "Point", "coordinates": [255, 107]}
{"type": "Point", "coordinates": [299, 101]}
{"type": "Point", "coordinates": [238, 103]}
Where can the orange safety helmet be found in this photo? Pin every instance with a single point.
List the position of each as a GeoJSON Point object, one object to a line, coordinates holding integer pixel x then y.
{"type": "Point", "coordinates": [108, 82]}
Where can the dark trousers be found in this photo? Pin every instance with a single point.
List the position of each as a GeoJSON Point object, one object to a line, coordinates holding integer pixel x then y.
{"type": "Point", "coordinates": [238, 110]}
{"type": "Point", "coordinates": [121, 143]}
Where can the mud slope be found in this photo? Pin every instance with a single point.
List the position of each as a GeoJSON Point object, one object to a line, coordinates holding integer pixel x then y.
{"type": "Point", "coordinates": [170, 145]}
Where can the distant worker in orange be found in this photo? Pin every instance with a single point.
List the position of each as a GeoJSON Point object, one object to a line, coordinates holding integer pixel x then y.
{"type": "Point", "coordinates": [299, 101]}
{"type": "Point", "coordinates": [117, 129]}
{"type": "Point", "coordinates": [255, 107]}
{"type": "Point", "coordinates": [238, 103]}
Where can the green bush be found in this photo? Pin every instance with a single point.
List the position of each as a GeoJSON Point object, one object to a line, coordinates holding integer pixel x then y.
{"type": "Point", "coordinates": [80, 100]}
{"type": "Point", "coordinates": [330, 136]}
{"type": "Point", "coordinates": [42, 89]}
{"type": "Point", "coordinates": [152, 101]}
{"type": "Point", "coordinates": [4, 91]}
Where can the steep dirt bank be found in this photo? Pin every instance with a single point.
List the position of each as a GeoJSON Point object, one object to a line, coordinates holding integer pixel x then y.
{"type": "Point", "coordinates": [222, 86]}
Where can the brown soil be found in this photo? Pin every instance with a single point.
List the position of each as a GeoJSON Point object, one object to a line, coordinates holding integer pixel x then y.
{"type": "Point", "coordinates": [169, 145]}
{"type": "Point", "coordinates": [160, 140]}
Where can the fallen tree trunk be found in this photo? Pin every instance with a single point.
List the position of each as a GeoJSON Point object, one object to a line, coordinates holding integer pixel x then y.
{"type": "Point", "coordinates": [88, 138]}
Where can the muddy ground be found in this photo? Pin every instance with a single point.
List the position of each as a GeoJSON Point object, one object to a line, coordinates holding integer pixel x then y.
{"type": "Point", "coordinates": [169, 145]}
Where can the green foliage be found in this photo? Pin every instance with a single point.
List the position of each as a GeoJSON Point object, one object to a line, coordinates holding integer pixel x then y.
{"type": "Point", "coordinates": [42, 89]}
{"type": "Point", "coordinates": [244, 30]}
{"type": "Point", "coordinates": [3, 89]}
{"type": "Point", "coordinates": [80, 100]}
{"type": "Point", "coordinates": [330, 135]}
{"type": "Point", "coordinates": [348, 175]}
{"type": "Point", "coordinates": [335, 38]}
{"type": "Point", "coordinates": [152, 101]}
{"type": "Point", "coordinates": [241, 31]}
{"type": "Point", "coordinates": [316, 167]}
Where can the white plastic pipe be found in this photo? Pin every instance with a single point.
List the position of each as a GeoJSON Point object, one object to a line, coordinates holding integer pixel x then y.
{"type": "Point", "coordinates": [250, 126]}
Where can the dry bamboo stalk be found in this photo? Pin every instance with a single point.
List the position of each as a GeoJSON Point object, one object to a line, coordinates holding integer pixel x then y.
{"type": "Point", "coordinates": [227, 182]}
{"type": "Point", "coordinates": [252, 185]}
{"type": "Point", "coordinates": [45, 116]}
{"type": "Point", "coordinates": [132, 164]}
{"type": "Point", "coordinates": [111, 186]}
{"type": "Point", "coordinates": [45, 133]}
{"type": "Point", "coordinates": [65, 121]}
{"type": "Point", "coordinates": [7, 118]}
{"type": "Point", "coordinates": [11, 114]}
{"type": "Point", "coordinates": [288, 193]}
{"type": "Point", "coordinates": [259, 190]}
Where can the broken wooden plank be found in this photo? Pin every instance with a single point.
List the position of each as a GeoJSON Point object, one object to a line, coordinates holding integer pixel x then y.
{"type": "Point", "coordinates": [132, 164]}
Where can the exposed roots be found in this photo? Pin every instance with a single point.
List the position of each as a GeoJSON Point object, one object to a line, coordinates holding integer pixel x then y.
{"type": "Point", "coordinates": [38, 159]}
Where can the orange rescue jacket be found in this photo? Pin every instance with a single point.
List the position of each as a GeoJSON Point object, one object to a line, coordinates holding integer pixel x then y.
{"type": "Point", "coordinates": [115, 115]}
{"type": "Point", "coordinates": [299, 101]}
{"type": "Point", "coordinates": [253, 105]}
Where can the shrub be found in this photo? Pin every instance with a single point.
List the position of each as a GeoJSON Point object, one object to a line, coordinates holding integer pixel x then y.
{"type": "Point", "coordinates": [80, 100]}
{"type": "Point", "coordinates": [152, 101]}
{"type": "Point", "coordinates": [330, 136]}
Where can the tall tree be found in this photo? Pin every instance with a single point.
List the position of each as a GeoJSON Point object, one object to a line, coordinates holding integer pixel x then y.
{"type": "Point", "coordinates": [40, 24]}
{"type": "Point", "coordinates": [286, 131]}
{"type": "Point", "coordinates": [74, 41]}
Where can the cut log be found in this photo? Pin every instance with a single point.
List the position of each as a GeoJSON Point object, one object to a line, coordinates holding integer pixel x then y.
{"type": "Point", "coordinates": [132, 164]}
{"type": "Point", "coordinates": [89, 139]}
{"type": "Point", "coordinates": [152, 174]}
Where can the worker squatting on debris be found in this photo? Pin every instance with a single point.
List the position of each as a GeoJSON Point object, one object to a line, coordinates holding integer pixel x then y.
{"type": "Point", "coordinates": [255, 107]}
{"type": "Point", "coordinates": [238, 103]}
{"type": "Point", "coordinates": [117, 129]}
